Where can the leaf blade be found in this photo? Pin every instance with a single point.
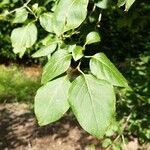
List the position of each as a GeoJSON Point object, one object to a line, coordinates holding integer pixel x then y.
{"type": "Point", "coordinates": [69, 15]}
{"type": "Point", "coordinates": [103, 4]}
{"type": "Point", "coordinates": [24, 37]}
{"type": "Point", "coordinates": [77, 53]}
{"type": "Point", "coordinates": [129, 3]}
{"type": "Point", "coordinates": [20, 16]}
{"type": "Point", "coordinates": [93, 108]}
{"type": "Point", "coordinates": [57, 65]}
{"type": "Point", "coordinates": [92, 37]}
{"type": "Point", "coordinates": [51, 101]}
{"type": "Point", "coordinates": [103, 68]}
{"type": "Point", "coordinates": [46, 21]}
{"type": "Point", "coordinates": [45, 50]}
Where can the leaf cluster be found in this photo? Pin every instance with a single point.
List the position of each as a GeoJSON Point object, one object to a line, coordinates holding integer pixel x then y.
{"type": "Point", "coordinates": [88, 92]}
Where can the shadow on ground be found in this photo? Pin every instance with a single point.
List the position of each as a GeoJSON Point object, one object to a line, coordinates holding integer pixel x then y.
{"type": "Point", "coordinates": [19, 130]}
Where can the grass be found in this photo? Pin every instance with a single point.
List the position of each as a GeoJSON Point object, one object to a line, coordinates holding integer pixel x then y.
{"type": "Point", "coordinates": [16, 86]}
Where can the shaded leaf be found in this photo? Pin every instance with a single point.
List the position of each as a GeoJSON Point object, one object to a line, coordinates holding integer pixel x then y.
{"type": "Point", "coordinates": [93, 103]}
{"type": "Point", "coordinates": [51, 101]}
{"type": "Point", "coordinates": [104, 69]}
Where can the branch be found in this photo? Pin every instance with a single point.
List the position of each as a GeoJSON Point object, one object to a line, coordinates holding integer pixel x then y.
{"type": "Point", "coordinates": [10, 12]}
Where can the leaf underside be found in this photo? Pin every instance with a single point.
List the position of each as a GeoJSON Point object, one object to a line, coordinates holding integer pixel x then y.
{"type": "Point", "coordinates": [51, 101]}
{"type": "Point", "coordinates": [93, 103]}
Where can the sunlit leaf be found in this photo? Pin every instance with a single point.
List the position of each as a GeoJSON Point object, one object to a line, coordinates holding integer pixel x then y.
{"type": "Point", "coordinates": [103, 3]}
{"type": "Point", "coordinates": [129, 3]}
{"type": "Point", "coordinates": [77, 53]}
{"type": "Point", "coordinates": [57, 65]}
{"type": "Point", "coordinates": [93, 103]}
{"type": "Point", "coordinates": [45, 50]}
{"type": "Point", "coordinates": [121, 3]}
{"type": "Point", "coordinates": [46, 21]}
{"type": "Point", "coordinates": [20, 16]}
{"type": "Point", "coordinates": [92, 37]}
{"type": "Point", "coordinates": [51, 101]}
{"type": "Point", "coordinates": [69, 14]}
{"type": "Point", "coordinates": [23, 37]}
{"type": "Point", "coordinates": [103, 68]}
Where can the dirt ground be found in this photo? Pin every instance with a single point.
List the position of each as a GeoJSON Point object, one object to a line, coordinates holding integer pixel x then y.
{"type": "Point", "coordinates": [19, 131]}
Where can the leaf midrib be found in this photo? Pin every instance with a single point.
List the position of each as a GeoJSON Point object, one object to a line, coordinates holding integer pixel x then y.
{"type": "Point", "coordinates": [25, 29]}
{"type": "Point", "coordinates": [55, 66]}
{"type": "Point", "coordinates": [91, 101]}
{"type": "Point", "coordinates": [52, 99]}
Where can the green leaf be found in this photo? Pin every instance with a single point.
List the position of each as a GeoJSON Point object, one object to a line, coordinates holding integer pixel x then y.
{"type": "Point", "coordinates": [92, 37]}
{"type": "Point", "coordinates": [121, 3]}
{"type": "Point", "coordinates": [69, 14]}
{"type": "Point", "coordinates": [109, 133]}
{"type": "Point", "coordinates": [71, 48]}
{"type": "Point", "coordinates": [104, 69]}
{"type": "Point", "coordinates": [51, 101]}
{"type": "Point", "coordinates": [77, 53]}
{"type": "Point", "coordinates": [45, 50]}
{"type": "Point", "coordinates": [23, 37]}
{"type": "Point", "coordinates": [50, 38]}
{"type": "Point", "coordinates": [106, 143]}
{"type": "Point", "coordinates": [57, 65]}
{"type": "Point", "coordinates": [116, 146]}
{"type": "Point", "coordinates": [103, 4]}
{"type": "Point", "coordinates": [20, 50]}
{"type": "Point", "coordinates": [93, 103]}
{"type": "Point", "coordinates": [129, 3]}
{"type": "Point", "coordinates": [20, 16]}
{"type": "Point", "coordinates": [35, 7]}
{"type": "Point", "coordinates": [112, 129]}
{"type": "Point", "coordinates": [46, 21]}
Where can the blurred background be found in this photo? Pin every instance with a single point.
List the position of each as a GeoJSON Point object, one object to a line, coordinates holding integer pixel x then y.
{"type": "Point", "coordinates": [126, 41]}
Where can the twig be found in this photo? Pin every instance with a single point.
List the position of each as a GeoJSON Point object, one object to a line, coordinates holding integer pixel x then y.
{"type": "Point", "coordinates": [24, 6]}
{"type": "Point", "coordinates": [31, 11]}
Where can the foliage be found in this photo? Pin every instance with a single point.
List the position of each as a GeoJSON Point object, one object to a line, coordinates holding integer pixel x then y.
{"type": "Point", "coordinates": [133, 105]}
{"type": "Point", "coordinates": [62, 24]}
{"type": "Point", "coordinates": [138, 123]}
{"type": "Point", "coordinates": [70, 40]}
